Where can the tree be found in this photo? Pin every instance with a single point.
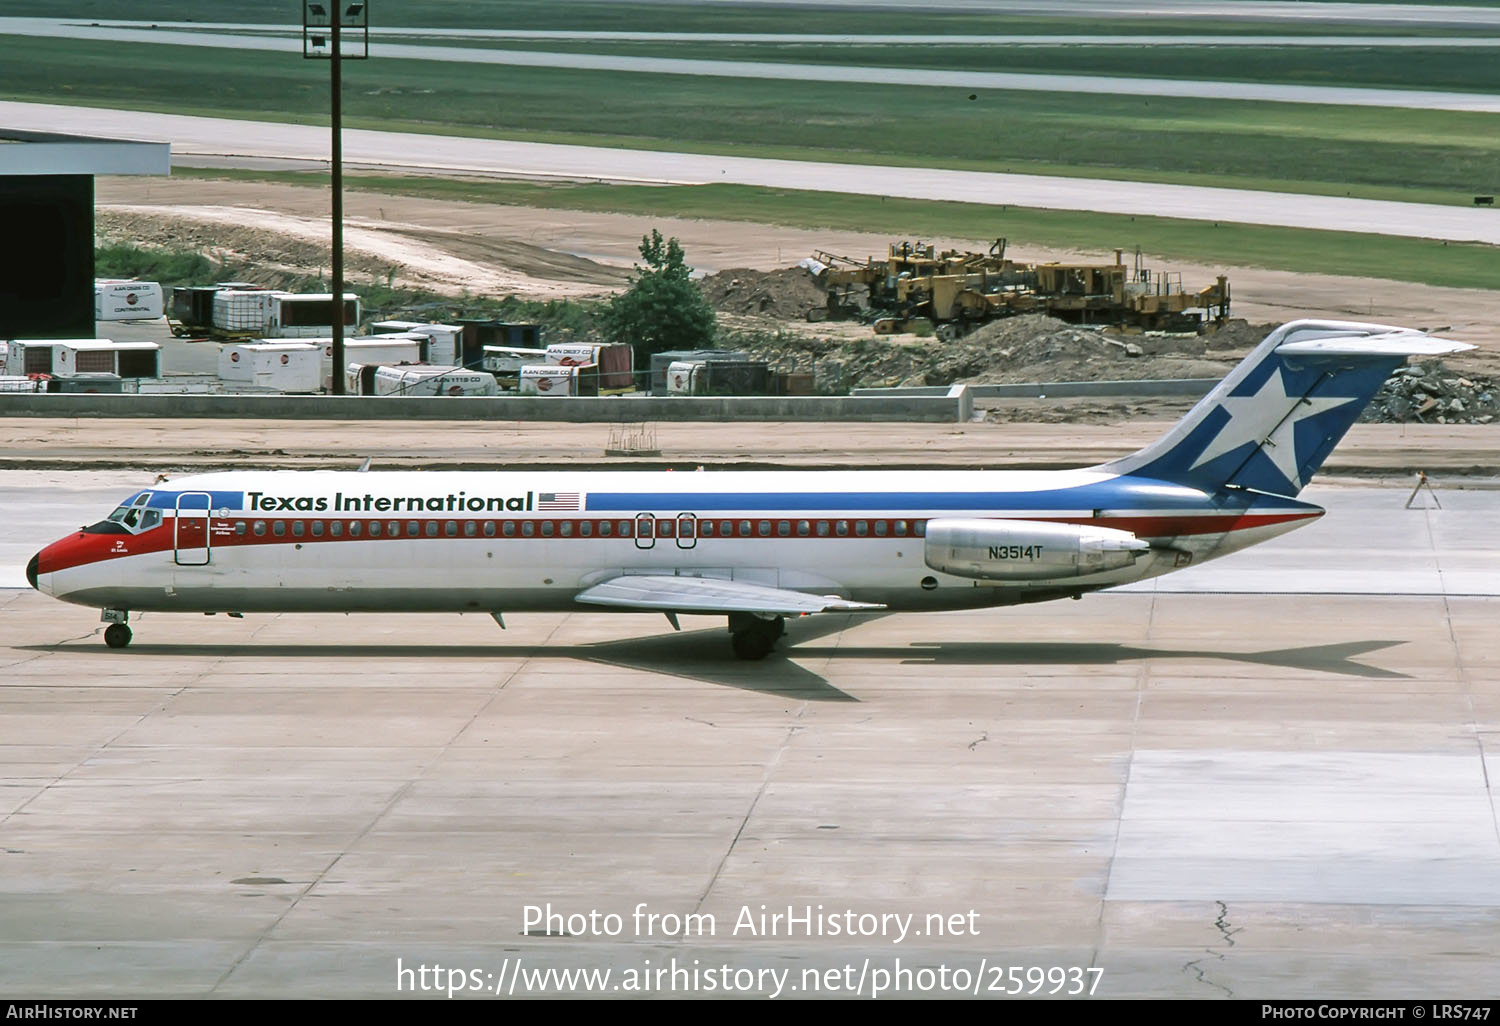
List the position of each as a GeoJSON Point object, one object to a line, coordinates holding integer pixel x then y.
{"type": "Point", "coordinates": [662, 309]}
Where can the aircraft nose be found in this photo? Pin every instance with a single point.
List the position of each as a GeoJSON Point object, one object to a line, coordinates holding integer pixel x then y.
{"type": "Point", "coordinates": [31, 569]}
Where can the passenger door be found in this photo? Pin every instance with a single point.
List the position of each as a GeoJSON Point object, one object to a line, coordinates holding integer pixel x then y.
{"type": "Point", "coordinates": [190, 530]}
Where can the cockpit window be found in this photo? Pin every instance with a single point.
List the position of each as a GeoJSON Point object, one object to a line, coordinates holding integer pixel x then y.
{"type": "Point", "coordinates": [131, 516]}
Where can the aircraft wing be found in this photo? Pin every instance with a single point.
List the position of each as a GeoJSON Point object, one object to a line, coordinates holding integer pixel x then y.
{"type": "Point", "coordinates": [664, 593]}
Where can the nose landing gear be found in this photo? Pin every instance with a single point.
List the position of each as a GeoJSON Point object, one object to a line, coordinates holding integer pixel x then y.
{"type": "Point", "coordinates": [117, 634]}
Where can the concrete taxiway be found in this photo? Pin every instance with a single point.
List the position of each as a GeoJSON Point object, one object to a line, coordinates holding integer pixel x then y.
{"type": "Point", "coordinates": [1255, 793]}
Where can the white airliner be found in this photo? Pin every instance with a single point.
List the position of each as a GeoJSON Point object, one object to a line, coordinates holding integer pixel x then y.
{"type": "Point", "coordinates": [757, 547]}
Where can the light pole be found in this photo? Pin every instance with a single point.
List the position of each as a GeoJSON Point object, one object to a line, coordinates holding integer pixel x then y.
{"type": "Point", "coordinates": [321, 32]}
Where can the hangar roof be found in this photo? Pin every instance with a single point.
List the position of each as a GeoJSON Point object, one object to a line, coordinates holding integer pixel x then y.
{"type": "Point", "coordinates": [43, 153]}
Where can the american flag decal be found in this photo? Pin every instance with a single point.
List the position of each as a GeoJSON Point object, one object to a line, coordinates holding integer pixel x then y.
{"type": "Point", "coordinates": [559, 502]}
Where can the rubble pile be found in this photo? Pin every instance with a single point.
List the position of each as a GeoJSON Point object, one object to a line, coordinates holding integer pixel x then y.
{"type": "Point", "coordinates": [1432, 393]}
{"type": "Point", "coordinates": [789, 294]}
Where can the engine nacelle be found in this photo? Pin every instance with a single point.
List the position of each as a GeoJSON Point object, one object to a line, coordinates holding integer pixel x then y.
{"type": "Point", "coordinates": [1020, 550]}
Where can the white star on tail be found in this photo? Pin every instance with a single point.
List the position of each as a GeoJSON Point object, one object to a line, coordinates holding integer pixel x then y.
{"type": "Point", "coordinates": [1268, 419]}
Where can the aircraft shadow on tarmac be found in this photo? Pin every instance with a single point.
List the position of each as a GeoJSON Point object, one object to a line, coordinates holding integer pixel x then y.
{"type": "Point", "coordinates": [703, 655]}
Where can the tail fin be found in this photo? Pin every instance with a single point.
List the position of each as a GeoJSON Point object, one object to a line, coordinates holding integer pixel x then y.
{"type": "Point", "coordinates": [1270, 424]}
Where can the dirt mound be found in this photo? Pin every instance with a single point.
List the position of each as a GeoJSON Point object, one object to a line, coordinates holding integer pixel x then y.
{"type": "Point", "coordinates": [1239, 335]}
{"type": "Point", "coordinates": [1040, 348]}
{"type": "Point", "coordinates": [786, 295]}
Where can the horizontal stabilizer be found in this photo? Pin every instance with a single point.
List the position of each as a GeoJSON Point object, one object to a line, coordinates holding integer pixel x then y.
{"type": "Point", "coordinates": [710, 595]}
{"type": "Point", "coordinates": [1396, 343]}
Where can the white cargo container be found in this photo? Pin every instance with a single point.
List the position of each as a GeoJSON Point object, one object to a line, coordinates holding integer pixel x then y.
{"type": "Point", "coordinates": [557, 379]}
{"type": "Point", "coordinates": [432, 379]}
{"type": "Point", "coordinates": [615, 361]}
{"type": "Point", "coordinates": [66, 357]}
{"type": "Point", "coordinates": [247, 312]}
{"type": "Point", "coordinates": [680, 376]}
{"type": "Point", "coordinates": [447, 342]}
{"type": "Point", "coordinates": [393, 327]}
{"type": "Point", "coordinates": [372, 350]}
{"type": "Point", "coordinates": [376, 349]}
{"type": "Point", "coordinates": [19, 383]}
{"type": "Point", "coordinates": [124, 300]}
{"type": "Point", "coordinates": [308, 316]}
{"type": "Point", "coordinates": [279, 366]}
{"type": "Point", "coordinates": [507, 361]}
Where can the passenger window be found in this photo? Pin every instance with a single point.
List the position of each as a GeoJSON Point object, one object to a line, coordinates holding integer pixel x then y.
{"type": "Point", "coordinates": [374, 528]}
{"type": "Point", "coordinates": [565, 528]}
{"type": "Point", "coordinates": [765, 529]}
{"type": "Point", "coordinates": [706, 529]}
{"type": "Point", "coordinates": [489, 529]}
{"type": "Point", "coordinates": [317, 528]}
{"type": "Point", "coordinates": [841, 528]}
{"type": "Point", "coordinates": [626, 529]}
{"type": "Point", "coordinates": [240, 527]}
{"type": "Point", "coordinates": [900, 528]}
{"type": "Point", "coordinates": [880, 528]}
{"type": "Point", "coordinates": [726, 528]}
{"type": "Point", "coordinates": [508, 529]}
{"type": "Point", "coordinates": [414, 528]}
{"type": "Point", "coordinates": [393, 528]}
{"type": "Point", "coordinates": [450, 529]}
{"type": "Point", "coordinates": [297, 529]}
{"type": "Point", "coordinates": [606, 528]}
{"type": "Point", "coordinates": [471, 529]}
{"type": "Point", "coordinates": [664, 528]}
{"type": "Point", "coordinates": [861, 528]}
{"type": "Point", "coordinates": [784, 528]}
{"type": "Point", "coordinates": [919, 528]}
{"type": "Point", "coordinates": [279, 528]}
{"type": "Point", "coordinates": [684, 528]}
{"type": "Point", "coordinates": [546, 529]}
{"type": "Point", "coordinates": [822, 529]}
{"type": "Point", "coordinates": [744, 528]}
{"type": "Point", "coordinates": [528, 528]}
{"type": "Point", "coordinates": [260, 527]}
{"type": "Point", "coordinates": [585, 528]}
{"type": "Point", "coordinates": [336, 528]}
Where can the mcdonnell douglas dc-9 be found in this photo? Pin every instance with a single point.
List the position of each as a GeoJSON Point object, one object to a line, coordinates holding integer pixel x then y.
{"type": "Point", "coordinates": [756, 547]}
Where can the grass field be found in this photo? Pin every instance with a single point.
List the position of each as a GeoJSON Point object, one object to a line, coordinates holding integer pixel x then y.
{"type": "Point", "coordinates": [1430, 156]}
{"type": "Point", "coordinates": [1223, 244]}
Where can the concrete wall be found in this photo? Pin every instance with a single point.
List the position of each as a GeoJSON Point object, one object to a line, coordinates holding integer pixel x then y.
{"type": "Point", "coordinates": [1055, 389]}
{"type": "Point", "coordinates": [952, 406]}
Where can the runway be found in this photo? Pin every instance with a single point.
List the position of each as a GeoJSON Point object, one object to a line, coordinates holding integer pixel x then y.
{"type": "Point", "coordinates": [1243, 794]}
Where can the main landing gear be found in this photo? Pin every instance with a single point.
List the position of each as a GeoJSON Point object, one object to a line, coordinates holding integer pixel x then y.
{"type": "Point", "coordinates": [752, 636]}
{"type": "Point", "coordinates": [117, 634]}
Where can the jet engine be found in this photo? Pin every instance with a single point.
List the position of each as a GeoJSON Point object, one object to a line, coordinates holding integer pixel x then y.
{"type": "Point", "coordinates": [1020, 550]}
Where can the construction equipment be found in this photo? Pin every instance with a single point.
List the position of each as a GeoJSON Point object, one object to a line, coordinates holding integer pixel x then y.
{"type": "Point", "coordinates": [916, 287]}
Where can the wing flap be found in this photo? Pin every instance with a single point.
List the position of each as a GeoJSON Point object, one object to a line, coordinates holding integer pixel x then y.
{"type": "Point", "coordinates": [710, 595]}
